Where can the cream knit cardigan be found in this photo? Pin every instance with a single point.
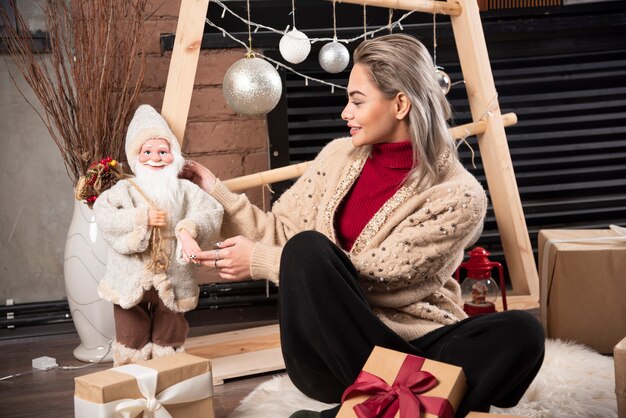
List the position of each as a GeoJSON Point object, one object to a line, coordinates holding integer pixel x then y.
{"type": "Point", "coordinates": [405, 255]}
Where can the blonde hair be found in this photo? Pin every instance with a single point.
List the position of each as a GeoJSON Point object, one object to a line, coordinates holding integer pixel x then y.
{"type": "Point", "coordinates": [400, 63]}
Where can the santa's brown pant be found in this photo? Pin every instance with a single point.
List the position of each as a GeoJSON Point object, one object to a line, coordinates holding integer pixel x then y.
{"type": "Point", "coordinates": [149, 321]}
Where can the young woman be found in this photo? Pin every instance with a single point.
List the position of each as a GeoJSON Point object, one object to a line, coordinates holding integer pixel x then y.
{"type": "Point", "coordinates": [363, 246]}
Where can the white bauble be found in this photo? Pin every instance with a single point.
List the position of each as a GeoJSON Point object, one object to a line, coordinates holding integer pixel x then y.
{"type": "Point", "coordinates": [444, 80]}
{"type": "Point", "coordinates": [334, 57]}
{"type": "Point", "coordinates": [252, 87]}
{"type": "Point", "coordinates": [294, 46]}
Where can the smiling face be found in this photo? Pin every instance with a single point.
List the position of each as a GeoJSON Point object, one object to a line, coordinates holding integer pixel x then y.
{"type": "Point", "coordinates": [373, 118]}
{"type": "Point", "coordinates": [155, 153]}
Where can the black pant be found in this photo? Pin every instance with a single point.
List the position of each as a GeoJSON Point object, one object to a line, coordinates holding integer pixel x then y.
{"type": "Point", "coordinates": [328, 330]}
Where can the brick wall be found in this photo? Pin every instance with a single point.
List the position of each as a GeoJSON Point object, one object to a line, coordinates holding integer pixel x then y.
{"type": "Point", "coordinates": [230, 145]}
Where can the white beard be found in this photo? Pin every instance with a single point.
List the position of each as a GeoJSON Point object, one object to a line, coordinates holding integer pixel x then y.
{"type": "Point", "coordinates": [162, 186]}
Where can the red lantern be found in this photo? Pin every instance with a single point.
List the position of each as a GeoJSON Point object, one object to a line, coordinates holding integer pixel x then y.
{"type": "Point", "coordinates": [479, 290]}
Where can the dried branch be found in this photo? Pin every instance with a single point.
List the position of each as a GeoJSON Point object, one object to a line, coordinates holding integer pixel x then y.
{"type": "Point", "coordinates": [89, 82]}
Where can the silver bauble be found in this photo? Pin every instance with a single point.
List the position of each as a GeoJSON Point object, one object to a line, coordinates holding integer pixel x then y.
{"type": "Point", "coordinates": [334, 57]}
{"type": "Point", "coordinates": [252, 87]}
{"type": "Point", "coordinates": [444, 80]}
{"type": "Point", "coordinates": [294, 46]}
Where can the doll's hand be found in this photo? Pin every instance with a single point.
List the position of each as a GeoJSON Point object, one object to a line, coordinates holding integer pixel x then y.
{"type": "Point", "coordinates": [200, 175]}
{"type": "Point", "coordinates": [231, 258]}
{"type": "Point", "coordinates": [157, 217]}
{"type": "Point", "coordinates": [190, 246]}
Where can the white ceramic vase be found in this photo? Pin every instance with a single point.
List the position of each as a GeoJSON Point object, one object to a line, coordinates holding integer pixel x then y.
{"type": "Point", "coordinates": [84, 265]}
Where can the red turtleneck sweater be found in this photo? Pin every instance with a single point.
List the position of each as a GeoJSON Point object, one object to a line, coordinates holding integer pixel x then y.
{"type": "Point", "coordinates": [381, 177]}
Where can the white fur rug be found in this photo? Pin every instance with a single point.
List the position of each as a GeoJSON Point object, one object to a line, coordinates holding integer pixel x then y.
{"type": "Point", "coordinates": [574, 381]}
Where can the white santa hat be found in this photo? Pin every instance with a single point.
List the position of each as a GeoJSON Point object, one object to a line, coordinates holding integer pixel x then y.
{"type": "Point", "coordinates": [147, 124]}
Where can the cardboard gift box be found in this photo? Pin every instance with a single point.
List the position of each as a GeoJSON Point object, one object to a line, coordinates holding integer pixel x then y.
{"type": "Point", "coordinates": [583, 285]}
{"type": "Point", "coordinates": [619, 356]}
{"type": "Point", "coordinates": [179, 385]}
{"type": "Point", "coordinates": [435, 386]}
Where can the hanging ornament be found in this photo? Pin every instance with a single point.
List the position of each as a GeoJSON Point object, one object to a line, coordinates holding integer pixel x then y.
{"type": "Point", "coordinates": [294, 46]}
{"type": "Point", "coordinates": [444, 80]}
{"type": "Point", "coordinates": [252, 87]}
{"type": "Point", "coordinates": [334, 57]}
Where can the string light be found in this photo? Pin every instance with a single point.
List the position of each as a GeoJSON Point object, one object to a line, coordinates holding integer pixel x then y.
{"type": "Point", "coordinates": [313, 40]}
{"type": "Point", "coordinates": [278, 64]}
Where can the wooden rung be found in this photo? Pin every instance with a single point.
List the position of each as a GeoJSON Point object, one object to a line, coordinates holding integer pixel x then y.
{"type": "Point", "coordinates": [477, 128]}
{"type": "Point", "coordinates": [266, 177]}
{"type": "Point", "coordinates": [426, 6]}
{"type": "Point", "coordinates": [292, 171]}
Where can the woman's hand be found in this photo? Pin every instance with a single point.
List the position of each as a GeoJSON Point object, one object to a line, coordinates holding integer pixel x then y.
{"type": "Point", "coordinates": [157, 217]}
{"type": "Point", "coordinates": [190, 246]}
{"type": "Point", "coordinates": [231, 258]}
{"type": "Point", "coordinates": [200, 175]}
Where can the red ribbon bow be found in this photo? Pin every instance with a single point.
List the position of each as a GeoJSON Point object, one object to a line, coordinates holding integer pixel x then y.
{"type": "Point", "coordinates": [404, 394]}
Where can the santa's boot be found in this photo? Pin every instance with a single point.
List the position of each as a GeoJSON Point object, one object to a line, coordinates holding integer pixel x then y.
{"type": "Point", "coordinates": [126, 355]}
{"type": "Point", "coordinates": [160, 350]}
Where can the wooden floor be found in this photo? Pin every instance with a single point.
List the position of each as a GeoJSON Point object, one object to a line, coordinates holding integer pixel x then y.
{"type": "Point", "coordinates": [50, 393]}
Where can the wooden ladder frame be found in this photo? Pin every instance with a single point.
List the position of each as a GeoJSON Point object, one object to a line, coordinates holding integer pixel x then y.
{"type": "Point", "coordinates": [488, 124]}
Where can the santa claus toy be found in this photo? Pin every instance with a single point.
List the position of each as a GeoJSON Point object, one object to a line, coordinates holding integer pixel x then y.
{"type": "Point", "coordinates": [154, 224]}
